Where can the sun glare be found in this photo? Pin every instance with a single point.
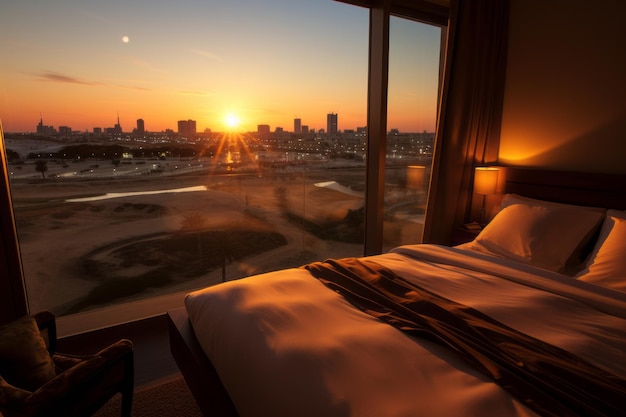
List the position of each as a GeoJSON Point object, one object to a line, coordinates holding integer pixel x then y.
{"type": "Point", "coordinates": [231, 120]}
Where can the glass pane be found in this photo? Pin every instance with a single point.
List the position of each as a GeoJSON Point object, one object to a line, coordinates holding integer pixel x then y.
{"type": "Point", "coordinates": [414, 65]}
{"type": "Point", "coordinates": [155, 150]}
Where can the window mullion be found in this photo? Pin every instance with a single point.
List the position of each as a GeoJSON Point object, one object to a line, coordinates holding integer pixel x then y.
{"type": "Point", "coordinates": [377, 125]}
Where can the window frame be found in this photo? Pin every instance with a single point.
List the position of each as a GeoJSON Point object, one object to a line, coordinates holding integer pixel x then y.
{"type": "Point", "coordinates": [378, 75]}
{"type": "Point", "coordinates": [13, 301]}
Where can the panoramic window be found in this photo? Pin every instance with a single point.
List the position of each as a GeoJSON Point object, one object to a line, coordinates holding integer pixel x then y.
{"type": "Point", "coordinates": [414, 65]}
{"type": "Point", "coordinates": [156, 149]}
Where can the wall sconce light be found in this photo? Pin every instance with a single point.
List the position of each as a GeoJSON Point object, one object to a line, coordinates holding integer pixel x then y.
{"type": "Point", "coordinates": [485, 183]}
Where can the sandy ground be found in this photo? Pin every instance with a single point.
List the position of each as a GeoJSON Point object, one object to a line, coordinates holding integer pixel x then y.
{"type": "Point", "coordinates": [54, 235]}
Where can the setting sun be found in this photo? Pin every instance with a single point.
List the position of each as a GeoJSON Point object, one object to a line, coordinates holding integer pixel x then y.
{"type": "Point", "coordinates": [231, 120]}
{"type": "Point", "coordinates": [214, 85]}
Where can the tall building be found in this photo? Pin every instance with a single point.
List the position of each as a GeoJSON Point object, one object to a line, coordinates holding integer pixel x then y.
{"type": "Point", "coordinates": [118, 127]}
{"type": "Point", "coordinates": [331, 124]}
{"type": "Point", "coordinates": [297, 126]}
{"type": "Point", "coordinates": [43, 129]}
{"type": "Point", "coordinates": [187, 127]}
{"type": "Point", "coordinates": [141, 128]}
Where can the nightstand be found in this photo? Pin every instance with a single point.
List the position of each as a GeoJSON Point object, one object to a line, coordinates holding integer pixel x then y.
{"type": "Point", "coordinates": [463, 235]}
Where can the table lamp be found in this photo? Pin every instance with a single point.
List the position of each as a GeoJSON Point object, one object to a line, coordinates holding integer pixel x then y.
{"type": "Point", "coordinates": [485, 183]}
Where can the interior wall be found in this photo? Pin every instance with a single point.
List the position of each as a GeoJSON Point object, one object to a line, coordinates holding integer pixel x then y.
{"type": "Point", "coordinates": [564, 104]}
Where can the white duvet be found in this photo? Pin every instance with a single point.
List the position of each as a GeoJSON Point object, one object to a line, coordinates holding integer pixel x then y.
{"type": "Point", "coordinates": [285, 345]}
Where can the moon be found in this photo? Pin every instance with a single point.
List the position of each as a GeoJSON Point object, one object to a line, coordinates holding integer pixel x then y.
{"type": "Point", "coordinates": [125, 39]}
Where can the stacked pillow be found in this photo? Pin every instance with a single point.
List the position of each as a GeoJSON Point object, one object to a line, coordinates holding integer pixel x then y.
{"type": "Point", "coordinates": [606, 265]}
{"type": "Point", "coordinates": [540, 233]}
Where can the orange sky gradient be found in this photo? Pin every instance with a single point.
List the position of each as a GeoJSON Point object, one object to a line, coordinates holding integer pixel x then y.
{"type": "Point", "coordinates": [165, 63]}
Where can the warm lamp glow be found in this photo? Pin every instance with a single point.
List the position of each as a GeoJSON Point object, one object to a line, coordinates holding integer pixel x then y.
{"type": "Point", "coordinates": [485, 183]}
{"type": "Point", "coordinates": [415, 176]}
{"type": "Point", "coordinates": [485, 180]}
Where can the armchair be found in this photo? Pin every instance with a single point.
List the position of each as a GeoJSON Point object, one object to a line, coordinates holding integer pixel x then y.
{"type": "Point", "coordinates": [58, 384]}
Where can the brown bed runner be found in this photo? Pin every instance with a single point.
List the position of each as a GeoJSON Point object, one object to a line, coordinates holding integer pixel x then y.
{"type": "Point", "coordinates": [549, 380]}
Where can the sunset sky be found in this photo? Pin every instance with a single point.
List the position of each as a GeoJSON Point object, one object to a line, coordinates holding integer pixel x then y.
{"type": "Point", "coordinates": [79, 63]}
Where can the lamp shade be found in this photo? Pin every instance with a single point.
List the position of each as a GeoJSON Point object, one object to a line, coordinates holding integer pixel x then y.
{"type": "Point", "coordinates": [415, 176]}
{"type": "Point", "coordinates": [485, 180]}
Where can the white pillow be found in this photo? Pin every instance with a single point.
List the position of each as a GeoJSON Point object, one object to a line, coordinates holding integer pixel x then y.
{"type": "Point", "coordinates": [543, 234]}
{"type": "Point", "coordinates": [607, 262]}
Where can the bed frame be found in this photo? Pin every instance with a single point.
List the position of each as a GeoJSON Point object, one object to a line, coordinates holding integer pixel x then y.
{"type": "Point", "coordinates": [198, 371]}
{"type": "Point", "coordinates": [589, 189]}
{"type": "Point", "coordinates": [586, 189]}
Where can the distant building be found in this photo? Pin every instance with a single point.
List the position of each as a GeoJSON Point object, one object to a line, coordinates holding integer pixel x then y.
{"type": "Point", "coordinates": [187, 127]}
{"type": "Point", "coordinates": [305, 129]}
{"type": "Point", "coordinates": [65, 131]}
{"type": "Point", "coordinates": [297, 126]}
{"type": "Point", "coordinates": [45, 130]}
{"type": "Point", "coordinates": [331, 124]}
{"type": "Point", "coordinates": [117, 129]}
{"type": "Point", "coordinates": [141, 128]}
{"type": "Point", "coordinates": [263, 129]}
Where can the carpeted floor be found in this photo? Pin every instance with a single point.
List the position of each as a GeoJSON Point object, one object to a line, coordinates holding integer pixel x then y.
{"type": "Point", "coordinates": [168, 398]}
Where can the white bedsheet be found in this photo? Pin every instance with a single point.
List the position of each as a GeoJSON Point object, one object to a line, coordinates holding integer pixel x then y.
{"type": "Point", "coordinates": [285, 345]}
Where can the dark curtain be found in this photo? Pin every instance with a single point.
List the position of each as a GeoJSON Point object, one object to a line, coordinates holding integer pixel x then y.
{"type": "Point", "coordinates": [468, 131]}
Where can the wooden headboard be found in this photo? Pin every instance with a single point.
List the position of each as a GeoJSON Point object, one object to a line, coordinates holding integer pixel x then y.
{"type": "Point", "coordinates": [587, 189]}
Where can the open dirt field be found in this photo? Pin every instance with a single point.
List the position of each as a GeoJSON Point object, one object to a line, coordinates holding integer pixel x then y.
{"type": "Point", "coordinates": [60, 240]}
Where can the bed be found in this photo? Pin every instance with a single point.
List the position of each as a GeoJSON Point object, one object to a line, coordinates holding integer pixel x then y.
{"type": "Point", "coordinates": [521, 321]}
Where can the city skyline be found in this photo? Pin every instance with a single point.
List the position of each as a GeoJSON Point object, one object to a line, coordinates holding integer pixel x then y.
{"type": "Point", "coordinates": [190, 126]}
{"type": "Point", "coordinates": [205, 61]}
{"type": "Point", "coordinates": [139, 127]}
